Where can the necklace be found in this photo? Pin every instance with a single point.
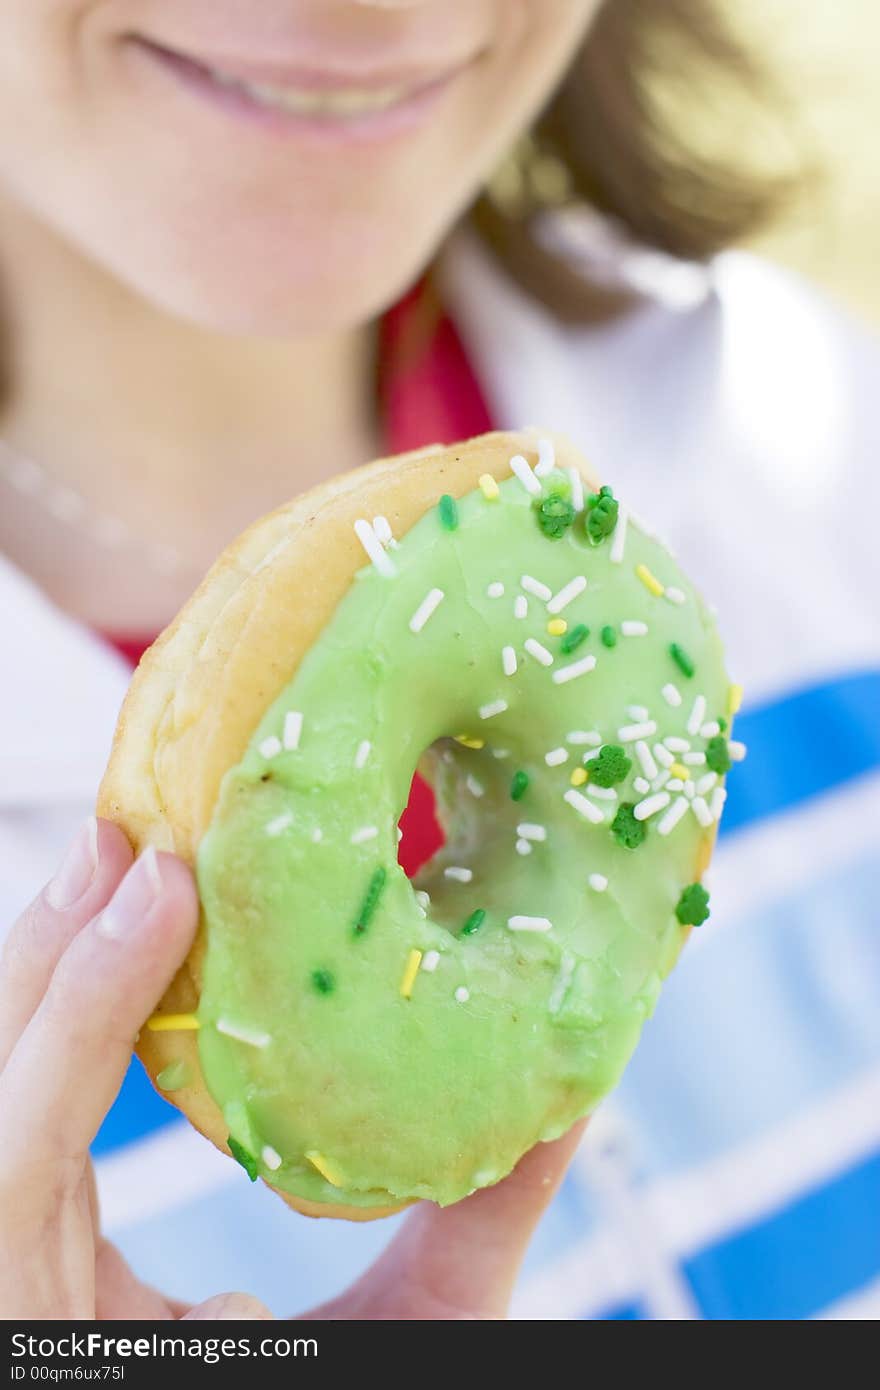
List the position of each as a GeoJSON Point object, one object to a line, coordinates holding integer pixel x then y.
{"type": "Point", "coordinates": [69, 508]}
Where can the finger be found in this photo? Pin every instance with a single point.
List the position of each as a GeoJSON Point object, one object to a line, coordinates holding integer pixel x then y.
{"type": "Point", "coordinates": [95, 861]}
{"type": "Point", "coordinates": [462, 1261]}
{"type": "Point", "coordinates": [229, 1306]}
{"type": "Point", "coordinates": [69, 1063]}
{"type": "Point", "coordinates": [119, 1294]}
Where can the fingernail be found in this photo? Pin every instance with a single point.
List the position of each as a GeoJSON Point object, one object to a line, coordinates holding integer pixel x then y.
{"type": "Point", "coordinates": [77, 868]}
{"type": "Point", "coordinates": [134, 897]}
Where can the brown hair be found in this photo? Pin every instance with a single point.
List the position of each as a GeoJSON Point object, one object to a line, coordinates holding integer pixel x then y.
{"type": "Point", "coordinates": [665, 122]}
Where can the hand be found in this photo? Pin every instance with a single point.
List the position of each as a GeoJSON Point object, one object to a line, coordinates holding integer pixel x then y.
{"type": "Point", "coordinates": [80, 972]}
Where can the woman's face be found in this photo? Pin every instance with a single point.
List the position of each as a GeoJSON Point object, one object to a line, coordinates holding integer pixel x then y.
{"type": "Point", "coordinates": [275, 166]}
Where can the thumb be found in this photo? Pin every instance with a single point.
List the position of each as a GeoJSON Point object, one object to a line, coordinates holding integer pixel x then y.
{"type": "Point", "coordinates": [229, 1307]}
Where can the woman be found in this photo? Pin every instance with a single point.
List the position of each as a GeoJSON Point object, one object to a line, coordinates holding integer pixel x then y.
{"type": "Point", "coordinates": [211, 218]}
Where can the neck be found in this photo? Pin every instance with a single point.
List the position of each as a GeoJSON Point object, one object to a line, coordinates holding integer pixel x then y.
{"type": "Point", "coordinates": [148, 417]}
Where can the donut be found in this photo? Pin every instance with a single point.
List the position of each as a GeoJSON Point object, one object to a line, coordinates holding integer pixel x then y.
{"type": "Point", "coordinates": [491, 616]}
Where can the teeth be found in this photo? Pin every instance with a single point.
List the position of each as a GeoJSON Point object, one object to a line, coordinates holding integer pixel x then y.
{"type": "Point", "coordinates": [306, 102]}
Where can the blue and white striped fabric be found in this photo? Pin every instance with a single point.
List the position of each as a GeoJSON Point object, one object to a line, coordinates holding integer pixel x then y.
{"type": "Point", "coordinates": [735, 1174]}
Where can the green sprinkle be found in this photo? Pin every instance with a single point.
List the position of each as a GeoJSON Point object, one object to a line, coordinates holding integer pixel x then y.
{"type": "Point", "coordinates": [681, 659]}
{"type": "Point", "coordinates": [693, 906]}
{"type": "Point", "coordinates": [722, 723]}
{"type": "Point", "coordinates": [323, 981]}
{"type": "Point", "coordinates": [718, 755]}
{"type": "Point", "coordinates": [474, 922]}
{"type": "Point", "coordinates": [601, 515]}
{"type": "Point", "coordinates": [626, 830]}
{"type": "Point", "coordinates": [519, 786]}
{"type": "Point", "coordinates": [377, 883]}
{"type": "Point", "coordinates": [572, 640]}
{"type": "Point", "coordinates": [172, 1077]}
{"type": "Point", "coordinates": [448, 509]}
{"type": "Point", "coordinates": [242, 1156]}
{"type": "Point", "coordinates": [610, 767]}
{"type": "Point", "coordinates": [555, 514]}
{"type": "Point", "coordinates": [609, 637]}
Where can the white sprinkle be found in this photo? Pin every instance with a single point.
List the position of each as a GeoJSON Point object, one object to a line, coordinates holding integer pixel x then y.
{"type": "Point", "coordinates": [661, 779]}
{"type": "Point", "coordinates": [522, 469]}
{"type": "Point", "coordinates": [373, 546]}
{"type": "Point", "coordinates": [317, 835]}
{"type": "Point", "coordinates": [674, 595]}
{"type": "Point", "coordinates": [646, 762]}
{"type": "Point", "coordinates": [601, 793]}
{"type": "Point", "coordinates": [556, 756]}
{"type": "Point", "coordinates": [702, 812]}
{"type": "Point", "coordinates": [716, 806]}
{"type": "Point", "coordinates": [366, 832]}
{"type": "Point", "coordinates": [495, 589]}
{"type": "Point", "coordinates": [671, 693]}
{"type": "Point", "coordinates": [638, 711]}
{"type": "Point", "coordinates": [583, 805]}
{"type": "Point", "coordinates": [536, 650]}
{"type": "Point", "coordinates": [676, 745]}
{"type": "Point", "coordinates": [663, 755]}
{"type": "Point", "coordinates": [567, 965]}
{"type": "Point", "coordinates": [520, 923]}
{"type": "Point", "coordinates": [462, 995]}
{"type": "Point", "coordinates": [523, 847]}
{"type": "Point", "coordinates": [430, 961]}
{"type": "Point", "coordinates": [427, 606]}
{"type": "Point", "coordinates": [574, 669]}
{"type": "Point", "coordinates": [710, 729]}
{"type": "Point", "coordinates": [383, 532]}
{"type": "Point", "coordinates": [423, 899]}
{"type": "Point", "coordinates": [508, 661]}
{"type": "Point", "coordinates": [520, 606]}
{"type": "Point", "coordinates": [271, 1157]}
{"type": "Point", "coordinates": [689, 789]}
{"type": "Point", "coordinates": [546, 458]}
{"type": "Point", "coordinates": [629, 733]}
{"type": "Point", "coordinates": [634, 627]}
{"type": "Point", "coordinates": [705, 784]}
{"type": "Point", "coordinates": [293, 723]}
{"type": "Point", "coordinates": [641, 785]}
{"type": "Point", "coordinates": [566, 594]}
{"type": "Point", "coordinates": [279, 824]}
{"type": "Point", "coordinates": [673, 815]}
{"type": "Point", "coordinates": [534, 586]}
{"type": "Point", "coordinates": [577, 489]}
{"type": "Point", "coordinates": [618, 541]}
{"type": "Point", "coordinates": [694, 759]}
{"type": "Point", "coordinates": [494, 707]}
{"type": "Point", "coordinates": [651, 805]}
{"type": "Point", "coordinates": [697, 715]}
{"type": "Point", "coordinates": [458, 874]}
{"type": "Point", "coordinates": [593, 753]}
{"type": "Point", "coordinates": [254, 1037]}
{"type": "Point", "coordinates": [527, 831]}
{"type": "Point", "coordinates": [362, 753]}
{"type": "Point", "coordinates": [598, 882]}
{"type": "Point", "coordinates": [675, 784]}
{"type": "Point", "coordinates": [474, 787]}
{"type": "Point", "coordinates": [270, 747]}
{"type": "Point", "coordinates": [399, 833]}
{"type": "Point", "coordinates": [736, 750]}
{"type": "Point", "coordinates": [588, 736]}
{"type": "Point", "coordinates": [500, 752]}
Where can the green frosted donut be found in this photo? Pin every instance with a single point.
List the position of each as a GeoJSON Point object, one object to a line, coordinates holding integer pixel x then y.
{"type": "Point", "coordinates": [546, 665]}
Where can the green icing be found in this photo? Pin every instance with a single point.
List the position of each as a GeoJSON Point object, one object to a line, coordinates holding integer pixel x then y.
{"type": "Point", "coordinates": [513, 1034]}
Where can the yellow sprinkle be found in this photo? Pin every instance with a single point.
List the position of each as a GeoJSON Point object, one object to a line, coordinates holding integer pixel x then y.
{"type": "Point", "coordinates": [488, 487]}
{"type": "Point", "coordinates": [579, 777]}
{"type": "Point", "coordinates": [679, 770]}
{"type": "Point", "coordinates": [319, 1161]}
{"type": "Point", "coordinates": [413, 961]}
{"type": "Point", "coordinates": [650, 581]}
{"type": "Point", "coordinates": [172, 1023]}
{"type": "Point", "coordinates": [557, 626]}
{"type": "Point", "coordinates": [467, 742]}
{"type": "Point", "coordinates": [734, 699]}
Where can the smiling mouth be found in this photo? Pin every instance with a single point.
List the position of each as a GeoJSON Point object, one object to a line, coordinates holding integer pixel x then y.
{"type": "Point", "coordinates": [314, 97]}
